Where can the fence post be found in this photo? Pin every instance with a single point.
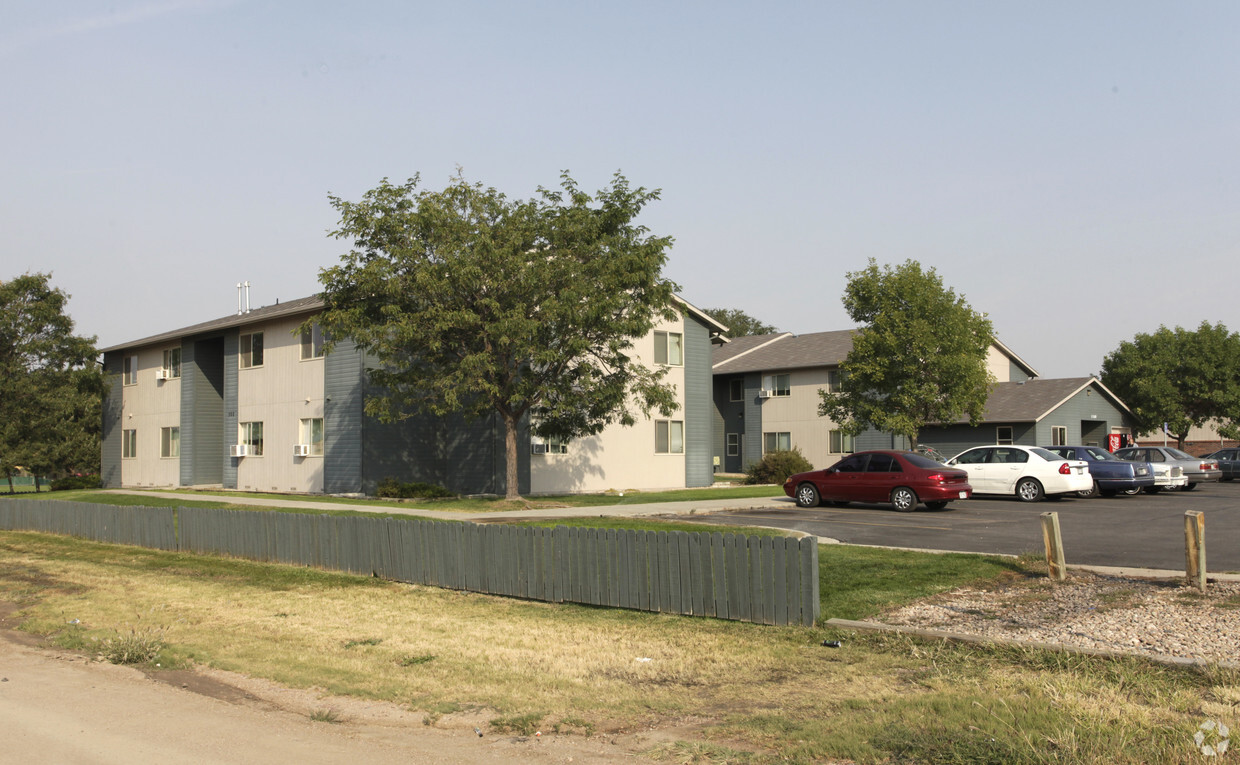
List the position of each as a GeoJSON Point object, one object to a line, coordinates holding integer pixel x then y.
{"type": "Point", "coordinates": [1055, 565]}
{"type": "Point", "coordinates": [1195, 548]}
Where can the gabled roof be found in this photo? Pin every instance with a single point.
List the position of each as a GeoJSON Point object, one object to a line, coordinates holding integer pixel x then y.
{"type": "Point", "coordinates": [1032, 400]}
{"type": "Point", "coordinates": [783, 351]}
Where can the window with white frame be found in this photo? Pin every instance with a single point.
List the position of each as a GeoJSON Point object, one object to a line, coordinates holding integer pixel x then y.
{"type": "Point", "coordinates": [250, 351]}
{"type": "Point", "coordinates": [1059, 435]}
{"type": "Point", "coordinates": [129, 373]}
{"type": "Point", "coordinates": [778, 385]}
{"type": "Point", "coordinates": [172, 363]}
{"type": "Point", "coordinates": [841, 442]}
{"type": "Point", "coordinates": [834, 378]}
{"type": "Point", "coordinates": [669, 348]}
{"type": "Point", "coordinates": [549, 445]}
{"type": "Point", "coordinates": [736, 389]}
{"type": "Point", "coordinates": [251, 435]}
{"type": "Point", "coordinates": [1003, 435]}
{"type": "Point", "coordinates": [669, 437]}
{"type": "Point", "coordinates": [129, 444]}
{"type": "Point", "coordinates": [734, 444]}
{"type": "Point", "coordinates": [776, 442]}
{"type": "Point", "coordinates": [170, 442]}
{"type": "Point", "coordinates": [312, 342]}
{"type": "Point", "coordinates": [311, 434]}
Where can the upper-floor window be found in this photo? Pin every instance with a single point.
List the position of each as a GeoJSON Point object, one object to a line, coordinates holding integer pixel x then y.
{"type": "Point", "coordinates": [669, 348]}
{"type": "Point", "coordinates": [251, 350]}
{"type": "Point", "coordinates": [172, 363]}
{"type": "Point", "coordinates": [834, 378]}
{"type": "Point", "coordinates": [736, 389]}
{"type": "Point", "coordinates": [312, 342]}
{"type": "Point", "coordinates": [669, 437]}
{"type": "Point", "coordinates": [129, 372]}
{"type": "Point", "coordinates": [778, 385]}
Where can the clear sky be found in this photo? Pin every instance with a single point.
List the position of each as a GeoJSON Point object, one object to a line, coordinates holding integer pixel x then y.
{"type": "Point", "coordinates": [1071, 168]}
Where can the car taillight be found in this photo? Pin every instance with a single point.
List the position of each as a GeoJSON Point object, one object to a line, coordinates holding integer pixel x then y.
{"type": "Point", "coordinates": [1065, 469]}
{"type": "Point", "coordinates": [1209, 466]}
{"type": "Point", "coordinates": [936, 477]}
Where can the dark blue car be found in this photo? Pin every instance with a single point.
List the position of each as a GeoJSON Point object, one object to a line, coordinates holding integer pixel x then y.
{"type": "Point", "coordinates": [1111, 474]}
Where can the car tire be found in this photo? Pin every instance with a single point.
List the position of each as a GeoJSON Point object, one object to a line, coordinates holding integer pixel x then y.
{"type": "Point", "coordinates": [904, 499]}
{"type": "Point", "coordinates": [936, 505]}
{"type": "Point", "coordinates": [1089, 493]}
{"type": "Point", "coordinates": [1029, 490]}
{"type": "Point", "coordinates": [807, 495]}
{"type": "Point", "coordinates": [1188, 487]}
{"type": "Point", "coordinates": [1133, 492]}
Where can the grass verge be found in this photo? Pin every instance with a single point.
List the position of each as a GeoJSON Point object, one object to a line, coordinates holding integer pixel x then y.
{"type": "Point", "coordinates": [723, 691]}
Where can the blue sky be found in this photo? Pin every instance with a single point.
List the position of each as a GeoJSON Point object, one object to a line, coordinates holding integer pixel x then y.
{"type": "Point", "coordinates": [1072, 168]}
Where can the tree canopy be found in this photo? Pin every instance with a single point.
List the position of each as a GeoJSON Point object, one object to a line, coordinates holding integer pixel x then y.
{"type": "Point", "coordinates": [919, 358]}
{"type": "Point", "coordinates": [479, 304]}
{"type": "Point", "coordinates": [1179, 378]}
{"type": "Point", "coordinates": [50, 385]}
{"type": "Point", "coordinates": [739, 323]}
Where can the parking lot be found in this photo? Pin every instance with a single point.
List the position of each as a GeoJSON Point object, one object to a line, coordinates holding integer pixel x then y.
{"type": "Point", "coordinates": [1145, 531]}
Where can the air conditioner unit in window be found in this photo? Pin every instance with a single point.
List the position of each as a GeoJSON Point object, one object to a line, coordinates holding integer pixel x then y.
{"type": "Point", "coordinates": [301, 450]}
{"type": "Point", "coordinates": [538, 448]}
{"type": "Point", "coordinates": [239, 450]}
{"type": "Point", "coordinates": [764, 393]}
{"type": "Point", "coordinates": [163, 374]}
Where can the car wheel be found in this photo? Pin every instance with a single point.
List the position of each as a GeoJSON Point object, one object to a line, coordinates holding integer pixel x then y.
{"type": "Point", "coordinates": [936, 505]}
{"type": "Point", "coordinates": [807, 495]}
{"type": "Point", "coordinates": [1188, 487]}
{"type": "Point", "coordinates": [904, 498]}
{"type": "Point", "coordinates": [1028, 490]}
{"type": "Point", "coordinates": [1089, 493]}
{"type": "Point", "coordinates": [1131, 492]}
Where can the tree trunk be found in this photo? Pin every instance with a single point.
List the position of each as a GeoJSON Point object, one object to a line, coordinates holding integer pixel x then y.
{"type": "Point", "coordinates": [512, 488]}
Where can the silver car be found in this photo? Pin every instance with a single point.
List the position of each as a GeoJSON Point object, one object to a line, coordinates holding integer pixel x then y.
{"type": "Point", "coordinates": [1196, 469]}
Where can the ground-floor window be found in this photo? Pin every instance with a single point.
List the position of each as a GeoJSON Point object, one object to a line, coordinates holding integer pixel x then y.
{"type": "Point", "coordinates": [1003, 435]}
{"type": "Point", "coordinates": [312, 435]}
{"type": "Point", "coordinates": [170, 442]}
{"type": "Point", "coordinates": [129, 444]}
{"type": "Point", "coordinates": [252, 438]}
{"type": "Point", "coordinates": [734, 444]}
{"type": "Point", "coordinates": [669, 437]}
{"type": "Point", "coordinates": [1059, 435]}
{"type": "Point", "coordinates": [841, 442]}
{"type": "Point", "coordinates": [776, 442]}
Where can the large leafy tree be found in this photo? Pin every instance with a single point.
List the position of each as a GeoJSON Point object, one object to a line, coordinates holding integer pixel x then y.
{"type": "Point", "coordinates": [50, 384]}
{"type": "Point", "coordinates": [1179, 378]}
{"type": "Point", "coordinates": [739, 323]}
{"type": "Point", "coordinates": [919, 358]}
{"type": "Point", "coordinates": [479, 304]}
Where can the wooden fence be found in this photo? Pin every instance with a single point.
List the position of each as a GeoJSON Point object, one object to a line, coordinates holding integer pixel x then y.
{"type": "Point", "coordinates": [767, 580]}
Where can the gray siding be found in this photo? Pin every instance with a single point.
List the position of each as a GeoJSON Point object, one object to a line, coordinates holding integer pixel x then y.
{"type": "Point", "coordinates": [110, 463]}
{"type": "Point", "coordinates": [729, 418]}
{"type": "Point", "coordinates": [1088, 417]}
{"type": "Point", "coordinates": [751, 436]}
{"type": "Point", "coordinates": [203, 451]}
{"type": "Point", "coordinates": [231, 344]}
{"type": "Point", "coordinates": [876, 439]}
{"type": "Point", "coordinates": [1016, 373]}
{"type": "Point", "coordinates": [952, 439]}
{"type": "Point", "coordinates": [343, 369]}
{"type": "Point", "coordinates": [699, 413]}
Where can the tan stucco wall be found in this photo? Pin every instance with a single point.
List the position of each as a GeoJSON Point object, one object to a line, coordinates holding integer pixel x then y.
{"type": "Point", "coordinates": [148, 407]}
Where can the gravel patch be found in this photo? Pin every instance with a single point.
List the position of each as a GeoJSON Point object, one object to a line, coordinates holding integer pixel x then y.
{"type": "Point", "coordinates": [1093, 611]}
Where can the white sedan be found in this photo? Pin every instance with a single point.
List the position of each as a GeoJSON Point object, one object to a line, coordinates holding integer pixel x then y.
{"type": "Point", "coordinates": [1029, 472]}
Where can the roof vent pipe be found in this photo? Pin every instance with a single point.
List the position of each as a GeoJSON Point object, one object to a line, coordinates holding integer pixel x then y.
{"type": "Point", "coordinates": [247, 297]}
{"type": "Point", "coordinates": [239, 298]}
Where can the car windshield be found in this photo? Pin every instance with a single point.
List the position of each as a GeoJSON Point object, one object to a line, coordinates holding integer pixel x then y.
{"type": "Point", "coordinates": [1101, 454]}
{"type": "Point", "coordinates": [1176, 454]}
{"type": "Point", "coordinates": [1049, 456]}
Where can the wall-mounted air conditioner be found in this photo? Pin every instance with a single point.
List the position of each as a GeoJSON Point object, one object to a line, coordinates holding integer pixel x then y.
{"type": "Point", "coordinates": [301, 450]}
{"type": "Point", "coordinates": [239, 450]}
{"type": "Point", "coordinates": [538, 448]}
{"type": "Point", "coordinates": [163, 374]}
{"type": "Point", "coordinates": [764, 393]}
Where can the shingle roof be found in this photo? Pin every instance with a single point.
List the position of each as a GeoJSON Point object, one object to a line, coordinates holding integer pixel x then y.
{"type": "Point", "coordinates": [783, 351]}
{"type": "Point", "coordinates": [291, 308]}
{"type": "Point", "coordinates": [1031, 400]}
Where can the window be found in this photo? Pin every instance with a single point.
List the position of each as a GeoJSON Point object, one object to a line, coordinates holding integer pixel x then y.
{"type": "Point", "coordinates": [252, 436]}
{"type": "Point", "coordinates": [129, 444]}
{"type": "Point", "coordinates": [883, 463]}
{"type": "Point", "coordinates": [834, 378]}
{"type": "Point", "coordinates": [170, 442]}
{"type": "Point", "coordinates": [851, 465]}
{"type": "Point", "coordinates": [736, 389]}
{"type": "Point", "coordinates": [841, 442]}
{"type": "Point", "coordinates": [312, 433]}
{"type": "Point", "coordinates": [251, 350]}
{"type": "Point", "coordinates": [669, 348]}
{"type": "Point", "coordinates": [172, 363]}
{"type": "Point", "coordinates": [312, 343]}
{"type": "Point", "coordinates": [734, 444]}
{"type": "Point", "coordinates": [130, 373]}
{"type": "Point", "coordinates": [556, 445]}
{"type": "Point", "coordinates": [776, 442]}
{"type": "Point", "coordinates": [669, 437]}
{"type": "Point", "coordinates": [1059, 435]}
{"type": "Point", "coordinates": [778, 385]}
{"type": "Point", "coordinates": [1003, 434]}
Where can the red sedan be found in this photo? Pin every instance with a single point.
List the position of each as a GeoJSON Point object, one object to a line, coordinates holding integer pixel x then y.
{"type": "Point", "coordinates": [902, 479]}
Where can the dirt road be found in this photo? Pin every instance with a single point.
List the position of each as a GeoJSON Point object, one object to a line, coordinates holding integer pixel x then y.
{"type": "Point", "coordinates": [60, 707]}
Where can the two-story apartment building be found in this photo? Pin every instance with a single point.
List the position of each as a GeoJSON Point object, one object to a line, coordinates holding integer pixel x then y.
{"type": "Point", "coordinates": [249, 401]}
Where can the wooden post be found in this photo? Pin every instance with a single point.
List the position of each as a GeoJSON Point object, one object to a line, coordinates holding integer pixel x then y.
{"type": "Point", "coordinates": [1055, 565]}
{"type": "Point", "coordinates": [1195, 548]}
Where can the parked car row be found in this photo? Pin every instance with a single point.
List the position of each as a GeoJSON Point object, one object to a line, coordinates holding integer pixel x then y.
{"type": "Point", "coordinates": [906, 479]}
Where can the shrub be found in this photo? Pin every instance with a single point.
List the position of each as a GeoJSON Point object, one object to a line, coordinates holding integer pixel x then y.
{"type": "Point", "coordinates": [775, 467]}
{"type": "Point", "coordinates": [72, 482]}
{"type": "Point", "coordinates": [390, 488]}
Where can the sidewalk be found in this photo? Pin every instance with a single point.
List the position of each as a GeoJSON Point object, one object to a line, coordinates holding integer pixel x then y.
{"type": "Point", "coordinates": [691, 507]}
